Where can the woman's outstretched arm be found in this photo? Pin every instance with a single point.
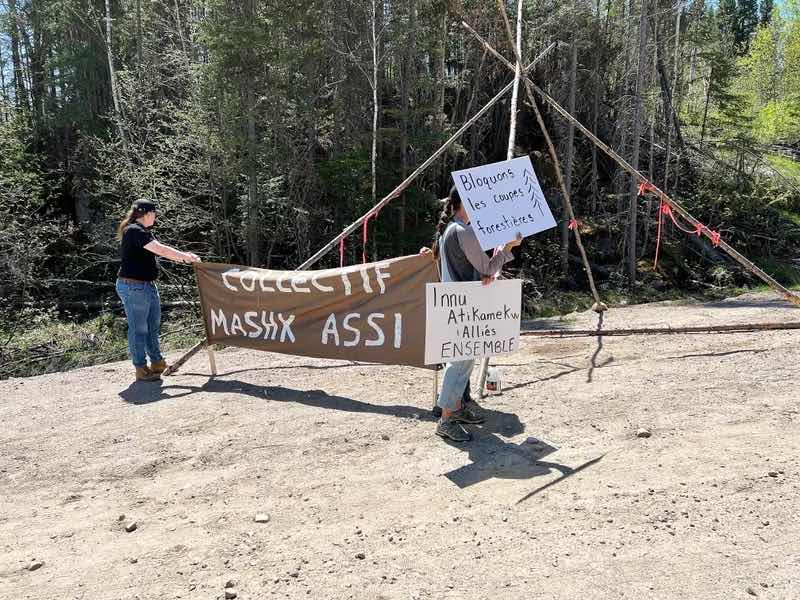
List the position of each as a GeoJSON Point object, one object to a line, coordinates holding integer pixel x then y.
{"type": "Point", "coordinates": [171, 253]}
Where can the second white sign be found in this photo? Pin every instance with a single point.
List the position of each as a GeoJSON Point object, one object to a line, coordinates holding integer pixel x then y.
{"type": "Point", "coordinates": [464, 321]}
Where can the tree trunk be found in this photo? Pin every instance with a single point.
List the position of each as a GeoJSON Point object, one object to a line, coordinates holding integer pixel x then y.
{"type": "Point", "coordinates": [179, 26]}
{"type": "Point", "coordinates": [512, 131]}
{"type": "Point", "coordinates": [374, 154]}
{"type": "Point", "coordinates": [3, 92]}
{"type": "Point", "coordinates": [596, 108]}
{"type": "Point", "coordinates": [403, 88]}
{"type": "Point", "coordinates": [254, 214]}
{"type": "Point", "coordinates": [440, 70]}
{"type": "Point", "coordinates": [637, 132]}
{"type": "Point", "coordinates": [21, 96]}
{"type": "Point", "coordinates": [569, 161]}
{"type": "Point", "coordinates": [705, 109]}
{"type": "Point", "coordinates": [139, 32]}
{"type": "Point", "coordinates": [624, 106]}
{"type": "Point", "coordinates": [34, 49]}
{"type": "Point", "coordinates": [667, 97]}
{"type": "Point", "coordinates": [112, 73]}
{"type": "Point", "coordinates": [441, 118]}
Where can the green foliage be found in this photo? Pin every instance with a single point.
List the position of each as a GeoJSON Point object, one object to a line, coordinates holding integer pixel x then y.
{"type": "Point", "coordinates": [27, 230]}
{"type": "Point", "coordinates": [770, 82]}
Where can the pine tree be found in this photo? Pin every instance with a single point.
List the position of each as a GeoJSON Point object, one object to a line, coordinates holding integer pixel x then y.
{"type": "Point", "coordinates": [765, 12]}
{"type": "Point", "coordinates": [727, 19]}
{"type": "Point", "coordinates": [746, 23]}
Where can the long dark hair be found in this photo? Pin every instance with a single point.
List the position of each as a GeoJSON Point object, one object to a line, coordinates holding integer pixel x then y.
{"type": "Point", "coordinates": [129, 218]}
{"type": "Point", "coordinates": [451, 205]}
{"type": "Point", "coordinates": [140, 207]}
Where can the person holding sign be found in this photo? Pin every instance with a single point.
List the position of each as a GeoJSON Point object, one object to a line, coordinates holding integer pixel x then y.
{"type": "Point", "coordinates": [135, 287]}
{"type": "Point", "coordinates": [461, 259]}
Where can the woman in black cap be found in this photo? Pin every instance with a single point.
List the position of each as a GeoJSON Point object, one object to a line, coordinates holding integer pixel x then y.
{"type": "Point", "coordinates": [135, 287]}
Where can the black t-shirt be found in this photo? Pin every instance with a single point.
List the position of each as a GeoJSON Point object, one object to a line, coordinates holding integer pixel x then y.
{"type": "Point", "coordinates": [137, 263]}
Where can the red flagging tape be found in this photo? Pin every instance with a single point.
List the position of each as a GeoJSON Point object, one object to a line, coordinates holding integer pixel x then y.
{"type": "Point", "coordinates": [645, 187]}
{"type": "Point", "coordinates": [365, 235]}
{"type": "Point", "coordinates": [573, 224]}
{"type": "Point", "coordinates": [699, 228]}
{"type": "Point", "coordinates": [341, 251]}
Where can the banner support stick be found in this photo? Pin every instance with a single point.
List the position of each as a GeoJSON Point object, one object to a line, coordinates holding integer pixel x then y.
{"type": "Point", "coordinates": [212, 360]}
{"type": "Point", "coordinates": [435, 387]}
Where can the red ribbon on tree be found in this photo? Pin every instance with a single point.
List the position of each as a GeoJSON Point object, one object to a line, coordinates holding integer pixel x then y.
{"type": "Point", "coordinates": [341, 251]}
{"type": "Point", "coordinates": [365, 235]}
{"type": "Point", "coordinates": [645, 187]}
{"type": "Point", "coordinates": [573, 224]}
{"type": "Point", "coordinates": [699, 229]}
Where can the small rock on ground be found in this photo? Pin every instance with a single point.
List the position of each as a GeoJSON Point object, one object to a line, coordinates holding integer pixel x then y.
{"type": "Point", "coordinates": [643, 433]}
{"type": "Point", "coordinates": [36, 564]}
{"type": "Point", "coordinates": [262, 518]}
{"type": "Point", "coordinates": [230, 594]}
{"type": "Point", "coordinates": [130, 527]}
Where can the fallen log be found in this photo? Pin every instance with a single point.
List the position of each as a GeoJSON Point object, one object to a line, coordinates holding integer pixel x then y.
{"type": "Point", "coordinates": [739, 328]}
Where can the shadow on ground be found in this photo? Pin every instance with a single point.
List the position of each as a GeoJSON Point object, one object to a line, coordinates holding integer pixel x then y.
{"type": "Point", "coordinates": [490, 455]}
{"type": "Point", "coordinates": [140, 393]}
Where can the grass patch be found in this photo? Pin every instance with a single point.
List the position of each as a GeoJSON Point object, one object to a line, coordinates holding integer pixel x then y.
{"type": "Point", "coordinates": [790, 216]}
{"type": "Point", "coordinates": [36, 342]}
{"type": "Point", "coordinates": [785, 166]}
{"type": "Point", "coordinates": [784, 272]}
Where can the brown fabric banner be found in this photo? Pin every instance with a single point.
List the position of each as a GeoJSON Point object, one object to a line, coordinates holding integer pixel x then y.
{"type": "Point", "coordinates": [368, 313]}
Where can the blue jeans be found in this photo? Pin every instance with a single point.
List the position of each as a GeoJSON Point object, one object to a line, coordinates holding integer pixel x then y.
{"type": "Point", "coordinates": [454, 384]}
{"type": "Point", "coordinates": [143, 310]}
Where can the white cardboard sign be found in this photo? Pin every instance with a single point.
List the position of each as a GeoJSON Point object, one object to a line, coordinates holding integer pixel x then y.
{"type": "Point", "coordinates": [503, 198]}
{"type": "Point", "coordinates": [470, 320]}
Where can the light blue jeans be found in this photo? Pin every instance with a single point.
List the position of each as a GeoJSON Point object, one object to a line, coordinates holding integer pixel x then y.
{"type": "Point", "coordinates": [454, 384]}
{"type": "Point", "coordinates": [143, 310]}
{"type": "Point", "coordinates": [456, 374]}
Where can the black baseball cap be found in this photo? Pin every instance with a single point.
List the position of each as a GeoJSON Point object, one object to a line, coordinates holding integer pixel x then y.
{"type": "Point", "coordinates": [143, 206]}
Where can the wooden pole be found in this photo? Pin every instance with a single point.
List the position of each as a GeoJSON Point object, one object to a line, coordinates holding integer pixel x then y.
{"type": "Point", "coordinates": [435, 388]}
{"type": "Point", "coordinates": [741, 328]}
{"type": "Point", "coordinates": [677, 207]}
{"type": "Point", "coordinates": [512, 134]}
{"type": "Point", "coordinates": [182, 360]}
{"type": "Point", "coordinates": [212, 360]}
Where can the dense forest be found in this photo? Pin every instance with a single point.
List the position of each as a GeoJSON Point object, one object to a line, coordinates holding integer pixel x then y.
{"type": "Point", "coordinates": [264, 128]}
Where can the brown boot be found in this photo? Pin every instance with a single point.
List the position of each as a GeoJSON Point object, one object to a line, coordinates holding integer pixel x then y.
{"type": "Point", "coordinates": [159, 366]}
{"type": "Point", "coordinates": [145, 374]}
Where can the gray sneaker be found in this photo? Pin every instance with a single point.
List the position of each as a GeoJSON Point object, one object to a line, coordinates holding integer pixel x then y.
{"type": "Point", "coordinates": [453, 431]}
{"type": "Point", "coordinates": [470, 414]}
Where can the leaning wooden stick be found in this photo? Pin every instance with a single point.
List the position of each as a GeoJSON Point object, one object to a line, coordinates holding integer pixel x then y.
{"type": "Point", "coordinates": [677, 207]}
{"type": "Point", "coordinates": [182, 360]}
{"type": "Point", "coordinates": [391, 196]}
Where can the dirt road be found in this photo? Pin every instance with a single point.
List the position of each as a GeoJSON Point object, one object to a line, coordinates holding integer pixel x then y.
{"type": "Point", "coordinates": [556, 498]}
